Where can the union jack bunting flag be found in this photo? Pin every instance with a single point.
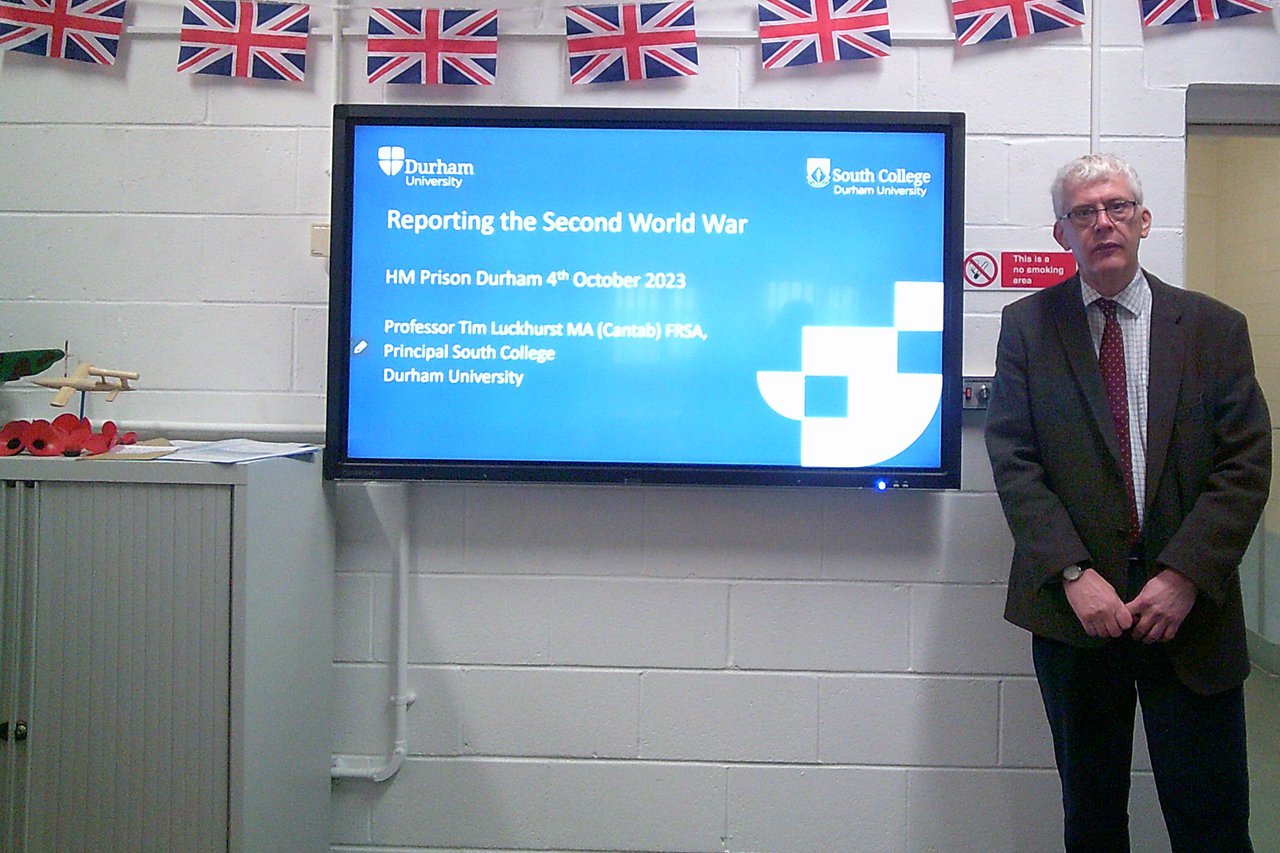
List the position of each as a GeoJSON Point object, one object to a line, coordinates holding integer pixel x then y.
{"type": "Point", "coordinates": [802, 32]}
{"type": "Point", "coordinates": [1159, 12]}
{"type": "Point", "coordinates": [993, 20]}
{"type": "Point", "coordinates": [83, 30]}
{"type": "Point", "coordinates": [631, 42]}
{"type": "Point", "coordinates": [237, 38]}
{"type": "Point", "coordinates": [433, 46]}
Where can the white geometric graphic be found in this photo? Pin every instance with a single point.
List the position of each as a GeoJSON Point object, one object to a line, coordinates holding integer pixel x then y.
{"type": "Point", "coordinates": [887, 410]}
{"type": "Point", "coordinates": [391, 159]}
{"type": "Point", "coordinates": [817, 171]}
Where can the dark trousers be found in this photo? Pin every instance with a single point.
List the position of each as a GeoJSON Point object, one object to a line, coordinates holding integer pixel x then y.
{"type": "Point", "coordinates": [1196, 743]}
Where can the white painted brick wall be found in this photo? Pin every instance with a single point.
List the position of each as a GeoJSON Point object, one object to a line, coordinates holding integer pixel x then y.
{"type": "Point", "coordinates": [729, 716]}
{"type": "Point", "coordinates": [819, 626]}
{"type": "Point", "coordinates": [607, 668]}
{"type": "Point", "coordinates": [903, 720]}
{"type": "Point", "coordinates": [827, 808]}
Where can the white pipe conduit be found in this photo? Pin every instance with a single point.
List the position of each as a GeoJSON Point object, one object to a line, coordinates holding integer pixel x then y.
{"type": "Point", "coordinates": [391, 505]}
{"type": "Point", "coordinates": [1095, 77]}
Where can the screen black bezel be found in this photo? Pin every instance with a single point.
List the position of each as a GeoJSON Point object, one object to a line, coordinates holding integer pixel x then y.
{"type": "Point", "coordinates": [347, 117]}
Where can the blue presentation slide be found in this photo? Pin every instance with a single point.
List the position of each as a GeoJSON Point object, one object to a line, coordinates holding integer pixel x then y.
{"type": "Point", "coordinates": [632, 295]}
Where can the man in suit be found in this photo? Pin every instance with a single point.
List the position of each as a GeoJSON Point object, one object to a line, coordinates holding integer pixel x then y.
{"type": "Point", "coordinates": [1130, 445]}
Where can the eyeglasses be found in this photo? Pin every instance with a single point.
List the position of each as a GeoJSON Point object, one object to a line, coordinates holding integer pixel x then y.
{"type": "Point", "coordinates": [1117, 211]}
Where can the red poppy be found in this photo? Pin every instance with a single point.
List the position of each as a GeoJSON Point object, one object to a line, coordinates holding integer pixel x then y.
{"type": "Point", "coordinates": [44, 440]}
{"type": "Point", "coordinates": [67, 423]}
{"type": "Point", "coordinates": [13, 438]}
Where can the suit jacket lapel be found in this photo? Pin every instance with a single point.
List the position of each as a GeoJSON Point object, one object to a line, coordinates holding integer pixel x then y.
{"type": "Point", "coordinates": [1077, 343]}
{"type": "Point", "coordinates": [1166, 376]}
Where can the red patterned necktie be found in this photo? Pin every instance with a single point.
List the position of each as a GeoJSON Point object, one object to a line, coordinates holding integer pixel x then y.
{"type": "Point", "coordinates": [1111, 361]}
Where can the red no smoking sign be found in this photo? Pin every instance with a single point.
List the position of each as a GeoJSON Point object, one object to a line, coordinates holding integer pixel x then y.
{"type": "Point", "coordinates": [980, 269]}
{"type": "Point", "coordinates": [1016, 270]}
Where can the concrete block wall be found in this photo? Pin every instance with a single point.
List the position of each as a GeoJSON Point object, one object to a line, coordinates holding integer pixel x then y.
{"type": "Point", "coordinates": [706, 669]}
{"type": "Point", "coordinates": [601, 668]}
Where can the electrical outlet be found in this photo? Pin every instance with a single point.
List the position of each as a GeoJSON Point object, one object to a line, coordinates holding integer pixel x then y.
{"type": "Point", "coordinates": [976, 390]}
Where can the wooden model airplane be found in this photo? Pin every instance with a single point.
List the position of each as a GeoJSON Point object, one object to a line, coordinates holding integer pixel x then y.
{"type": "Point", "coordinates": [86, 377]}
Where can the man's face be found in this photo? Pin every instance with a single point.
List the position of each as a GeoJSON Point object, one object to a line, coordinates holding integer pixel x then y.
{"type": "Point", "coordinates": [1106, 251]}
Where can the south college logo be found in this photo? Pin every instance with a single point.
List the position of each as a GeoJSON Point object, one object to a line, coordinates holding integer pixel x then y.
{"type": "Point", "coordinates": [852, 374]}
{"type": "Point", "coordinates": [391, 159]}
{"type": "Point", "coordinates": [817, 171]}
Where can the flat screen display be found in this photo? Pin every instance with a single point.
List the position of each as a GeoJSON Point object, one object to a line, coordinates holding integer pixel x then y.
{"type": "Point", "coordinates": [637, 295]}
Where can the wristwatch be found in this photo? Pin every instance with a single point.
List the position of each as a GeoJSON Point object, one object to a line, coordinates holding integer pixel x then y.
{"type": "Point", "coordinates": [1072, 573]}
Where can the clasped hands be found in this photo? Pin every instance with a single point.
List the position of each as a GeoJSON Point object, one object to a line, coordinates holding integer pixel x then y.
{"type": "Point", "coordinates": [1154, 616]}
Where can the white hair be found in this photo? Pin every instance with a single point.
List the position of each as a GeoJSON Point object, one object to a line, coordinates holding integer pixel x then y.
{"type": "Point", "coordinates": [1090, 169]}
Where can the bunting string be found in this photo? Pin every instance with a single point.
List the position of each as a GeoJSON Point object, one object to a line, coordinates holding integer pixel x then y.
{"type": "Point", "coordinates": [608, 43]}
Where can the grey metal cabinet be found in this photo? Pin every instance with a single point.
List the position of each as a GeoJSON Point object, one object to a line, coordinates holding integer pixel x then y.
{"type": "Point", "coordinates": [165, 656]}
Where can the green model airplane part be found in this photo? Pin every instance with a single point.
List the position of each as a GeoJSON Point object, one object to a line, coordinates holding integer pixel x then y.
{"type": "Point", "coordinates": [27, 362]}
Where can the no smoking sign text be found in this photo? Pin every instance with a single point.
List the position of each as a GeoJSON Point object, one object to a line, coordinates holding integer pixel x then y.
{"type": "Point", "coordinates": [1016, 270]}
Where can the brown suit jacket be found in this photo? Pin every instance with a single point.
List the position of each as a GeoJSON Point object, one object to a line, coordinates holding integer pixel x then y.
{"type": "Point", "coordinates": [1056, 461]}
